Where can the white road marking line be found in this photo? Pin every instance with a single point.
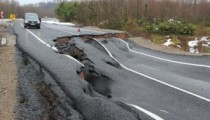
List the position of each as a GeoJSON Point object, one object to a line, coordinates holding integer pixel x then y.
{"type": "Point", "coordinates": [70, 57]}
{"type": "Point", "coordinates": [61, 30]}
{"type": "Point", "coordinates": [75, 60]}
{"type": "Point", "coordinates": [39, 39]}
{"type": "Point", "coordinates": [172, 61]}
{"type": "Point", "coordinates": [54, 48]}
{"type": "Point", "coordinates": [154, 79]}
{"type": "Point", "coordinates": [147, 112]}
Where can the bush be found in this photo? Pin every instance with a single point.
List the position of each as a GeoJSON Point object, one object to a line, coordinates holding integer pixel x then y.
{"type": "Point", "coordinates": [158, 39]}
{"type": "Point", "coordinates": [170, 27]}
{"type": "Point", "coordinates": [175, 40]}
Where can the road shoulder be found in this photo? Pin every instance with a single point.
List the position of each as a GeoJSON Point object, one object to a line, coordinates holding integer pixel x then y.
{"type": "Point", "coordinates": [146, 43]}
{"type": "Point", "coordinates": [8, 79]}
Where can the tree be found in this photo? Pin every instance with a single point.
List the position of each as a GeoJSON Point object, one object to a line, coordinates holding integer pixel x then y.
{"type": "Point", "coordinates": [67, 11]}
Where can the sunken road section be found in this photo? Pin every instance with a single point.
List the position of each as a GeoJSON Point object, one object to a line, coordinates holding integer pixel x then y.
{"type": "Point", "coordinates": [69, 92]}
{"type": "Point", "coordinates": [90, 53]}
{"type": "Point", "coordinates": [93, 57]}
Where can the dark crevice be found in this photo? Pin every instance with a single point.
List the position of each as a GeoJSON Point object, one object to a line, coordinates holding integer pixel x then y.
{"type": "Point", "coordinates": [96, 79]}
{"type": "Point", "coordinates": [66, 105]}
{"type": "Point", "coordinates": [100, 82]}
{"type": "Point", "coordinates": [116, 65]}
{"type": "Point", "coordinates": [67, 46]}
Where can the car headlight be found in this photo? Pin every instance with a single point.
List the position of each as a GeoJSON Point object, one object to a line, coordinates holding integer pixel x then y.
{"type": "Point", "coordinates": [26, 21]}
{"type": "Point", "coordinates": [38, 21]}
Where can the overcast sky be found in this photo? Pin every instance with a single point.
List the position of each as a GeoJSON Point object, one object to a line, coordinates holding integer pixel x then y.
{"type": "Point", "coordinates": [23, 2]}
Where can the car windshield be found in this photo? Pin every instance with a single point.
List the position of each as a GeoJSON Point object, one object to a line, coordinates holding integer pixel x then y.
{"type": "Point", "coordinates": [31, 17]}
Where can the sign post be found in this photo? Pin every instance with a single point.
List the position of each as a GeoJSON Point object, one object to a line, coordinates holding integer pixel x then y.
{"type": "Point", "coordinates": [12, 16]}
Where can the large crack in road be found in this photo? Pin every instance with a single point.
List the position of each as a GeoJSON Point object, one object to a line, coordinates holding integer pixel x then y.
{"type": "Point", "coordinates": [53, 97]}
{"type": "Point", "coordinates": [70, 46]}
{"type": "Point", "coordinates": [99, 77]}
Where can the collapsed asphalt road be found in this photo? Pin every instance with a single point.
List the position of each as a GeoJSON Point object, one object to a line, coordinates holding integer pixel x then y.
{"type": "Point", "coordinates": [87, 103]}
{"type": "Point", "coordinates": [101, 81]}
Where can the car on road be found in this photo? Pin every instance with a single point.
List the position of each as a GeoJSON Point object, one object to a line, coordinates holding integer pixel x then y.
{"type": "Point", "coordinates": [32, 20]}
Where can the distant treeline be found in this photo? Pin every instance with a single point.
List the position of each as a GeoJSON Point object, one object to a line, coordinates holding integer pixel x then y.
{"type": "Point", "coordinates": [119, 13]}
{"type": "Point", "coordinates": [13, 7]}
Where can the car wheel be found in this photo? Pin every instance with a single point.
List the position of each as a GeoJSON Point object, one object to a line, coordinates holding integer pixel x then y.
{"type": "Point", "coordinates": [38, 27]}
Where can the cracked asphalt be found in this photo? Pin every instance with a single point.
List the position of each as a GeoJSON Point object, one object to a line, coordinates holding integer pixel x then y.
{"type": "Point", "coordinates": [167, 86]}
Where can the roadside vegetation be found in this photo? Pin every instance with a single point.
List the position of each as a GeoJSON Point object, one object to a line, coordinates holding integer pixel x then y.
{"type": "Point", "coordinates": [181, 20]}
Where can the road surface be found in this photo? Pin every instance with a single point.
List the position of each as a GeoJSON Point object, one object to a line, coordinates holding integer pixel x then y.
{"type": "Point", "coordinates": [131, 82]}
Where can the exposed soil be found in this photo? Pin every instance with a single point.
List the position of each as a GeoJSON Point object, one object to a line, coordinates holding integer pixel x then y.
{"type": "Point", "coordinates": [8, 78]}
